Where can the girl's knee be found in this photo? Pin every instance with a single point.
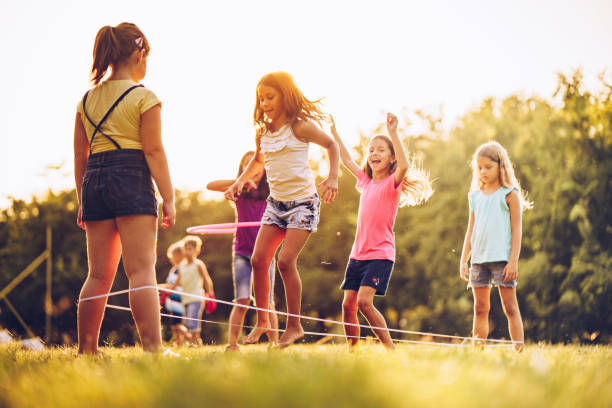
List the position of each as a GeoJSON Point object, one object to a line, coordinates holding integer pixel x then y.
{"type": "Point", "coordinates": [481, 308]}
{"type": "Point", "coordinates": [349, 306]}
{"type": "Point", "coordinates": [285, 264]}
{"type": "Point", "coordinates": [364, 303]}
{"type": "Point", "coordinates": [259, 263]}
{"type": "Point", "coordinates": [511, 310]}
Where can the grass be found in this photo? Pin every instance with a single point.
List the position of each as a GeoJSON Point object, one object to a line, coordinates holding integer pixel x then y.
{"type": "Point", "coordinates": [309, 376]}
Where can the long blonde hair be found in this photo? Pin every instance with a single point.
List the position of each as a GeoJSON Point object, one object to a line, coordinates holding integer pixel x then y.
{"type": "Point", "coordinates": [416, 185]}
{"type": "Point", "coordinates": [496, 152]}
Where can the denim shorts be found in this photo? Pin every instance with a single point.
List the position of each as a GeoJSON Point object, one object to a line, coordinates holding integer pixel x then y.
{"type": "Point", "coordinates": [193, 310]}
{"type": "Point", "coordinates": [241, 275]}
{"type": "Point", "coordinates": [374, 273]}
{"type": "Point", "coordinates": [117, 183]}
{"type": "Point", "coordinates": [299, 214]}
{"type": "Point", "coordinates": [482, 274]}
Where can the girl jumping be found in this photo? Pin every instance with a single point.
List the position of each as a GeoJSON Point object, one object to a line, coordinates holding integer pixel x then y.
{"type": "Point", "coordinates": [493, 238]}
{"type": "Point", "coordinates": [285, 122]}
{"type": "Point", "coordinates": [386, 181]}
{"type": "Point", "coordinates": [250, 206]}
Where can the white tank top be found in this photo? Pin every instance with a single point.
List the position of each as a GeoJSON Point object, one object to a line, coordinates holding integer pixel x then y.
{"type": "Point", "coordinates": [286, 163]}
{"type": "Point", "coordinates": [191, 281]}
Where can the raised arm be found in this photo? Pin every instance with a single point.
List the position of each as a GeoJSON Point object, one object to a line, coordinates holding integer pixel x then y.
{"type": "Point", "coordinates": [400, 155]}
{"type": "Point", "coordinates": [345, 155]}
{"type": "Point", "coordinates": [150, 133]}
{"type": "Point", "coordinates": [255, 165]}
{"type": "Point", "coordinates": [81, 154]}
{"type": "Point", "coordinates": [220, 185]}
{"type": "Point", "coordinates": [308, 132]}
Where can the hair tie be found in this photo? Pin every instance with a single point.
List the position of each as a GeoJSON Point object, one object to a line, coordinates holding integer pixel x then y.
{"type": "Point", "coordinates": [139, 43]}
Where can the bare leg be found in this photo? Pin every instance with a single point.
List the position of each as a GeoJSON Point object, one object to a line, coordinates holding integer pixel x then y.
{"type": "Point", "coordinates": [513, 313]}
{"type": "Point", "coordinates": [266, 244]}
{"type": "Point", "coordinates": [349, 315]}
{"type": "Point", "coordinates": [103, 253]}
{"type": "Point", "coordinates": [236, 320]}
{"type": "Point", "coordinates": [482, 304]}
{"type": "Point", "coordinates": [295, 239]}
{"type": "Point", "coordinates": [138, 238]}
{"type": "Point", "coordinates": [365, 302]}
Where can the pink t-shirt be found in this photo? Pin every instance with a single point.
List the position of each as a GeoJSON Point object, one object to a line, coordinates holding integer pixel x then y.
{"type": "Point", "coordinates": [377, 210]}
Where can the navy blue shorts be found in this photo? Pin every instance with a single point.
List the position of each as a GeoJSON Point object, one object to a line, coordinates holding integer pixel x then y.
{"type": "Point", "coordinates": [374, 273]}
{"type": "Point", "coordinates": [117, 183]}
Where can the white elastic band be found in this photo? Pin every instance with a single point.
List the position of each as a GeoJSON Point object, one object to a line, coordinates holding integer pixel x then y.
{"type": "Point", "coordinates": [448, 336]}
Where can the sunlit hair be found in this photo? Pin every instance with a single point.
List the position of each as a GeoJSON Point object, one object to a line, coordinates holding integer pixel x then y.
{"type": "Point", "coordinates": [193, 241]}
{"type": "Point", "coordinates": [296, 105]}
{"type": "Point", "coordinates": [263, 188]}
{"type": "Point", "coordinates": [496, 152]}
{"type": "Point", "coordinates": [176, 247]}
{"type": "Point", "coordinates": [416, 185]}
{"type": "Point", "coordinates": [113, 45]}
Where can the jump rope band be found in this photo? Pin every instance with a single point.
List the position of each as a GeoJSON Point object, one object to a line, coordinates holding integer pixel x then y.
{"type": "Point", "coordinates": [447, 336]}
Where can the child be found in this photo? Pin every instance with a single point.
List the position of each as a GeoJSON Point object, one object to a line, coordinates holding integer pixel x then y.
{"type": "Point", "coordinates": [172, 301]}
{"type": "Point", "coordinates": [192, 276]}
{"type": "Point", "coordinates": [493, 238]}
{"type": "Point", "coordinates": [117, 150]}
{"type": "Point", "coordinates": [284, 121]}
{"type": "Point", "coordinates": [250, 206]}
{"type": "Point", "coordinates": [386, 181]}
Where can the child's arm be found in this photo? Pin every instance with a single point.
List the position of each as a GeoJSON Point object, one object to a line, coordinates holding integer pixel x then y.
{"type": "Point", "coordinates": [81, 153]}
{"type": "Point", "coordinates": [176, 283]}
{"type": "Point", "coordinates": [308, 132]}
{"type": "Point", "coordinates": [400, 155]}
{"type": "Point", "coordinates": [510, 272]}
{"type": "Point", "coordinates": [467, 250]}
{"type": "Point", "coordinates": [255, 165]}
{"type": "Point", "coordinates": [347, 160]}
{"type": "Point", "coordinates": [220, 185]}
{"type": "Point", "coordinates": [208, 284]}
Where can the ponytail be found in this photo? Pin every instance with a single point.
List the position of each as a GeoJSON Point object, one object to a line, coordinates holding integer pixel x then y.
{"type": "Point", "coordinates": [113, 45]}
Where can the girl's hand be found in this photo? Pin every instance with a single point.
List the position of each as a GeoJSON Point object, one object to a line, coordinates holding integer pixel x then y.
{"type": "Point", "coordinates": [168, 214]}
{"type": "Point", "coordinates": [391, 123]}
{"type": "Point", "coordinates": [329, 189]}
{"type": "Point", "coordinates": [464, 271]}
{"type": "Point", "coordinates": [234, 190]}
{"type": "Point", "coordinates": [80, 222]}
{"type": "Point", "coordinates": [510, 271]}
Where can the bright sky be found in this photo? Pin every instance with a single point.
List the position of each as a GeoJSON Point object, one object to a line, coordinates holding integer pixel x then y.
{"type": "Point", "coordinates": [364, 57]}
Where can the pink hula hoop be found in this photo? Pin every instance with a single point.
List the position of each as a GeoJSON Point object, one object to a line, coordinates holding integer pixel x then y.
{"type": "Point", "coordinates": [227, 228]}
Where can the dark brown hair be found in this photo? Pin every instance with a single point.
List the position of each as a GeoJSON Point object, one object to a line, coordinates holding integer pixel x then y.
{"type": "Point", "coordinates": [113, 45]}
{"type": "Point", "coordinates": [296, 105]}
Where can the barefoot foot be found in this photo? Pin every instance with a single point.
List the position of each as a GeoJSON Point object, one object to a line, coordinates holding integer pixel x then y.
{"type": "Point", "coordinates": [256, 333]}
{"type": "Point", "coordinates": [290, 336]}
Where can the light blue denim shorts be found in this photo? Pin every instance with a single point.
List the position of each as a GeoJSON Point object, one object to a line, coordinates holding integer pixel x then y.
{"type": "Point", "coordinates": [193, 311]}
{"type": "Point", "coordinates": [481, 275]}
{"type": "Point", "coordinates": [299, 214]}
{"type": "Point", "coordinates": [241, 275]}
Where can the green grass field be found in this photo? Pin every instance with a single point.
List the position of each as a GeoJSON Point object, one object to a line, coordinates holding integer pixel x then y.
{"type": "Point", "coordinates": [309, 376]}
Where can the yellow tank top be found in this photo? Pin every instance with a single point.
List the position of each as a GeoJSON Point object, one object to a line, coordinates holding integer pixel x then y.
{"type": "Point", "coordinates": [123, 124]}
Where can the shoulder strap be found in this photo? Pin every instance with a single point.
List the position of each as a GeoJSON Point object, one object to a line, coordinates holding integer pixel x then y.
{"type": "Point", "coordinates": [97, 127]}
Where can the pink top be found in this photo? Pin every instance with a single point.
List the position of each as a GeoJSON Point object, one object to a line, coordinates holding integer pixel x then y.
{"type": "Point", "coordinates": [377, 210]}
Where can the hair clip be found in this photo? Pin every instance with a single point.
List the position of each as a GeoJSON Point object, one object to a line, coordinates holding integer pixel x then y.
{"type": "Point", "coordinates": [139, 43]}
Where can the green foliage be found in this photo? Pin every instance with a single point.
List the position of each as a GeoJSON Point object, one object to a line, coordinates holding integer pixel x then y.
{"type": "Point", "coordinates": [562, 153]}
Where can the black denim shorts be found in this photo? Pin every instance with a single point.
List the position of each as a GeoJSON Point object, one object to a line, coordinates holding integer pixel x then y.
{"type": "Point", "coordinates": [374, 273]}
{"type": "Point", "coordinates": [117, 183]}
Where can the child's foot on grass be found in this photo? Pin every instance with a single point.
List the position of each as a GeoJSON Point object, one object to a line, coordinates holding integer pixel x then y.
{"type": "Point", "coordinates": [256, 333]}
{"type": "Point", "coordinates": [290, 336]}
{"type": "Point", "coordinates": [232, 347]}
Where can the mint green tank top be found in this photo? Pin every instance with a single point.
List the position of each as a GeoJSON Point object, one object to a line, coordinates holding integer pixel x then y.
{"type": "Point", "coordinates": [492, 234]}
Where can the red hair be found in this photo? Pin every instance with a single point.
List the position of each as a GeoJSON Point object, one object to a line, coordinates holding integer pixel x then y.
{"type": "Point", "coordinates": [114, 45]}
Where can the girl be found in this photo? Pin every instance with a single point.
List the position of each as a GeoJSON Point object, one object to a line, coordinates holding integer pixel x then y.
{"type": "Point", "coordinates": [171, 301]}
{"type": "Point", "coordinates": [493, 238]}
{"type": "Point", "coordinates": [387, 180]}
{"type": "Point", "coordinates": [250, 206]}
{"type": "Point", "coordinates": [117, 148]}
{"type": "Point", "coordinates": [192, 276]}
{"type": "Point", "coordinates": [284, 121]}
